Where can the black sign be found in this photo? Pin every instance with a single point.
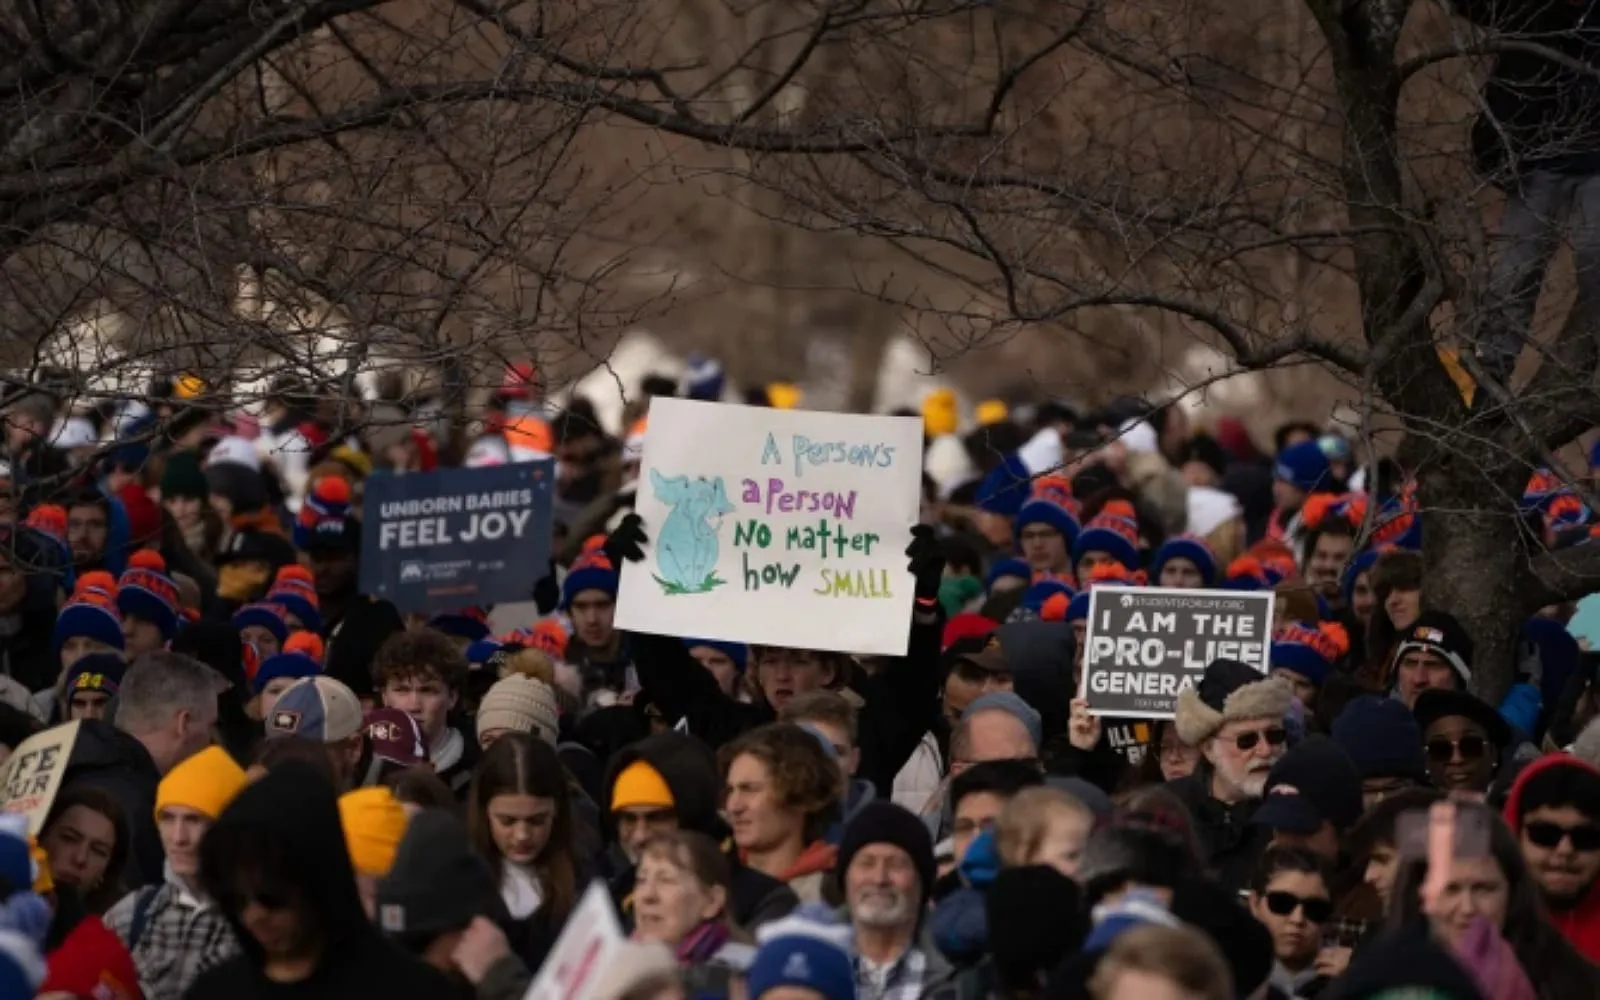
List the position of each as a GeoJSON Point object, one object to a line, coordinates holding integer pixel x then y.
{"type": "Point", "coordinates": [1146, 644]}
{"type": "Point", "coordinates": [435, 541]}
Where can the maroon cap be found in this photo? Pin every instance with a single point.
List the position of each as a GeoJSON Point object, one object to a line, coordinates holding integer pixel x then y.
{"type": "Point", "coordinates": [395, 737]}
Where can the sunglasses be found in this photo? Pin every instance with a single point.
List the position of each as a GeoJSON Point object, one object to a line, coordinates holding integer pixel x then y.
{"type": "Point", "coordinates": [1444, 751]}
{"type": "Point", "coordinates": [1549, 835]}
{"type": "Point", "coordinates": [1317, 908]}
{"type": "Point", "coordinates": [1276, 736]}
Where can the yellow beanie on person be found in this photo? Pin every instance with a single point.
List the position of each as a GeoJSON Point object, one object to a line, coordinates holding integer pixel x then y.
{"type": "Point", "coordinates": [640, 786]}
{"type": "Point", "coordinates": [373, 821]}
{"type": "Point", "coordinates": [206, 783]}
{"type": "Point", "coordinates": [991, 411]}
{"type": "Point", "coordinates": [940, 413]}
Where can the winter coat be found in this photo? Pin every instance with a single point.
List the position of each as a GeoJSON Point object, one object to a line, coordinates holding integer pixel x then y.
{"type": "Point", "coordinates": [181, 935]}
{"type": "Point", "coordinates": [1581, 924]}
{"type": "Point", "coordinates": [298, 810]}
{"type": "Point", "coordinates": [109, 759]}
{"type": "Point", "coordinates": [1232, 844]}
{"type": "Point", "coordinates": [900, 703]}
{"type": "Point", "coordinates": [1539, 114]}
{"type": "Point", "coordinates": [690, 771]}
{"type": "Point", "coordinates": [922, 777]}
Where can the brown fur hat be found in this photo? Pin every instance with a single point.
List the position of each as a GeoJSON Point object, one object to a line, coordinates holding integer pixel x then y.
{"type": "Point", "coordinates": [1229, 691]}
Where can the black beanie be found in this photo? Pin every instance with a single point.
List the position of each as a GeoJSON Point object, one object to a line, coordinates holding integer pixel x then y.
{"type": "Point", "coordinates": [438, 884]}
{"type": "Point", "coordinates": [365, 627]}
{"type": "Point", "coordinates": [887, 823]}
{"type": "Point", "coordinates": [1036, 920]}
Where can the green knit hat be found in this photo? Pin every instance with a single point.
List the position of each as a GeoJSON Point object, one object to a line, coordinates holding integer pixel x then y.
{"type": "Point", "coordinates": [183, 477]}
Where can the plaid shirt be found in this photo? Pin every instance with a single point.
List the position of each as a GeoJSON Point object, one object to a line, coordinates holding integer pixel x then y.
{"type": "Point", "coordinates": [902, 979]}
{"type": "Point", "coordinates": [182, 937]}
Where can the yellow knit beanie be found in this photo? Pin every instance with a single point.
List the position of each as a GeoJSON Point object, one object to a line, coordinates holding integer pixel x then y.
{"type": "Point", "coordinates": [640, 785]}
{"type": "Point", "coordinates": [374, 821]}
{"type": "Point", "coordinates": [206, 783]}
{"type": "Point", "coordinates": [941, 413]}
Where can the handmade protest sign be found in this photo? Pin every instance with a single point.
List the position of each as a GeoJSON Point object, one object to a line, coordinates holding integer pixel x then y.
{"type": "Point", "coordinates": [1144, 645]}
{"type": "Point", "coordinates": [579, 962]}
{"type": "Point", "coordinates": [775, 527]}
{"type": "Point", "coordinates": [32, 776]}
{"type": "Point", "coordinates": [435, 541]}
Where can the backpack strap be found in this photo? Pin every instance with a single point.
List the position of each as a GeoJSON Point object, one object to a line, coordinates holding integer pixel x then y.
{"type": "Point", "coordinates": [141, 915]}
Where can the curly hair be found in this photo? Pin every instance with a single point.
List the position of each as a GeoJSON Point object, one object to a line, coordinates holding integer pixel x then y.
{"type": "Point", "coordinates": [420, 652]}
{"type": "Point", "coordinates": [804, 777]}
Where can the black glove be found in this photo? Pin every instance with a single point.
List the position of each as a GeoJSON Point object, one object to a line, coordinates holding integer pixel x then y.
{"type": "Point", "coordinates": [927, 562]}
{"type": "Point", "coordinates": [547, 593]}
{"type": "Point", "coordinates": [627, 542]}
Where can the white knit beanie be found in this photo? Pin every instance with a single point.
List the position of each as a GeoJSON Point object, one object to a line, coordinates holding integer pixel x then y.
{"type": "Point", "coordinates": [521, 704]}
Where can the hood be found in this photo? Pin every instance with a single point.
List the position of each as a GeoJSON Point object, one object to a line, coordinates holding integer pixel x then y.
{"type": "Point", "coordinates": [688, 767]}
{"type": "Point", "coordinates": [293, 812]}
{"type": "Point", "coordinates": [1040, 657]}
{"type": "Point", "coordinates": [102, 746]}
{"type": "Point", "coordinates": [1513, 809]}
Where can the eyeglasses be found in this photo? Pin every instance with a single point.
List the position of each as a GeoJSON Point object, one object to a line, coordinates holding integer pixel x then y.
{"type": "Point", "coordinates": [1317, 908]}
{"type": "Point", "coordinates": [1444, 751]}
{"type": "Point", "coordinates": [1275, 736]}
{"type": "Point", "coordinates": [1549, 835]}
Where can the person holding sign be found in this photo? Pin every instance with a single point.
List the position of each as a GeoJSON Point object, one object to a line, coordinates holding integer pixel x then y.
{"type": "Point", "coordinates": [1235, 717]}
{"type": "Point", "coordinates": [901, 700]}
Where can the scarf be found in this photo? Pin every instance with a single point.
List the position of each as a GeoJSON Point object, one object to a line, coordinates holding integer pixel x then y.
{"type": "Point", "coordinates": [703, 942]}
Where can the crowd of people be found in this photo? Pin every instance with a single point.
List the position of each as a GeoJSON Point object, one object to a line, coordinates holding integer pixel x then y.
{"type": "Point", "coordinates": [282, 786]}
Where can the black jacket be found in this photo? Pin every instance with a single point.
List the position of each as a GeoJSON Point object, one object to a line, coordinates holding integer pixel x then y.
{"type": "Point", "coordinates": [1539, 114]}
{"type": "Point", "coordinates": [899, 704]}
{"type": "Point", "coordinates": [690, 771]}
{"type": "Point", "coordinates": [292, 815]}
{"type": "Point", "coordinates": [1232, 844]}
{"type": "Point", "coordinates": [107, 758]}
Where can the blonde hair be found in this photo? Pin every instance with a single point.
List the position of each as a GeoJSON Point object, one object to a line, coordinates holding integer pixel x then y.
{"type": "Point", "coordinates": [533, 663]}
{"type": "Point", "coordinates": [1185, 957]}
{"type": "Point", "coordinates": [1024, 823]}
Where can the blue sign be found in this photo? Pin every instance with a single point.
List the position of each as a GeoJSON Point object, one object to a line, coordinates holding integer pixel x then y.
{"type": "Point", "coordinates": [457, 538]}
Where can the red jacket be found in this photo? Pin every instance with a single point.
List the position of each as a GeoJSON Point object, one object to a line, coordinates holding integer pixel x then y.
{"type": "Point", "coordinates": [1581, 924]}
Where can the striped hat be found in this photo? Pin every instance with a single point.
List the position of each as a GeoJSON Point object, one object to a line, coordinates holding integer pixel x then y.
{"type": "Point", "coordinates": [147, 593]}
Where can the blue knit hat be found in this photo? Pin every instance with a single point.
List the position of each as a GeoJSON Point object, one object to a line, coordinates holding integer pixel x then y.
{"type": "Point", "coordinates": [1305, 650]}
{"type": "Point", "coordinates": [1359, 565]}
{"type": "Point", "coordinates": [592, 571]}
{"type": "Point", "coordinates": [704, 378]}
{"type": "Point", "coordinates": [146, 592]}
{"type": "Point", "coordinates": [1037, 593]}
{"type": "Point", "coordinates": [1113, 531]}
{"type": "Point", "coordinates": [96, 672]}
{"type": "Point", "coordinates": [1135, 908]}
{"type": "Point", "coordinates": [1304, 466]}
{"type": "Point", "coordinates": [292, 665]}
{"type": "Point", "coordinates": [324, 521]}
{"type": "Point", "coordinates": [1186, 547]}
{"type": "Point", "coordinates": [1382, 737]}
{"type": "Point", "coordinates": [1004, 568]}
{"type": "Point", "coordinates": [294, 589]}
{"type": "Point", "coordinates": [738, 652]}
{"type": "Point", "coordinates": [471, 624]}
{"type": "Point", "coordinates": [1053, 505]}
{"type": "Point", "coordinates": [1005, 488]}
{"type": "Point", "coordinates": [1078, 608]}
{"type": "Point", "coordinates": [90, 619]}
{"type": "Point", "coordinates": [795, 951]}
{"type": "Point", "coordinates": [267, 616]}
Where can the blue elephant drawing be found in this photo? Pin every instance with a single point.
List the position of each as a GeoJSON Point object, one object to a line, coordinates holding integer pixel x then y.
{"type": "Point", "coordinates": [687, 544]}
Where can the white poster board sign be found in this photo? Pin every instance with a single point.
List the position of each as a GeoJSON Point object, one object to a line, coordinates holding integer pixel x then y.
{"type": "Point", "coordinates": [1144, 645]}
{"type": "Point", "coordinates": [775, 527]}
{"type": "Point", "coordinates": [32, 776]}
{"type": "Point", "coordinates": [586, 947]}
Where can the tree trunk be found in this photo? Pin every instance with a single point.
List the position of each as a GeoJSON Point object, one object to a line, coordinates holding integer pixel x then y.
{"type": "Point", "coordinates": [1473, 562]}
